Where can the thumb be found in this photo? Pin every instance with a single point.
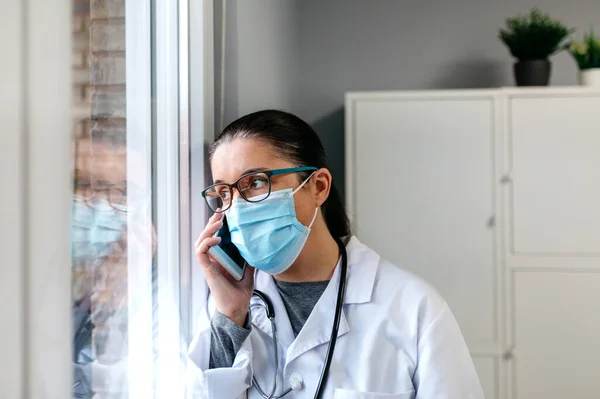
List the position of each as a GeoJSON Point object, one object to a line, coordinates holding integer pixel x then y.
{"type": "Point", "coordinates": [248, 278]}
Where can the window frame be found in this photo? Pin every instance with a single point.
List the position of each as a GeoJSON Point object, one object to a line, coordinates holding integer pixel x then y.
{"type": "Point", "coordinates": [202, 133]}
{"type": "Point", "coordinates": [184, 126]}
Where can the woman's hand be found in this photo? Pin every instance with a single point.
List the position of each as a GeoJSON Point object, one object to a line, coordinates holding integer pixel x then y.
{"type": "Point", "coordinates": [232, 297]}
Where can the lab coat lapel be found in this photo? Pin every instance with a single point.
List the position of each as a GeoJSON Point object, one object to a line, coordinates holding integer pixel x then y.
{"type": "Point", "coordinates": [360, 280]}
{"type": "Point", "coordinates": [317, 329]}
{"type": "Point", "coordinates": [285, 335]}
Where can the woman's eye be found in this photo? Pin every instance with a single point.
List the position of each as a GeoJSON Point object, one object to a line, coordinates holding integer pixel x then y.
{"type": "Point", "coordinates": [258, 183]}
{"type": "Point", "coordinates": [224, 195]}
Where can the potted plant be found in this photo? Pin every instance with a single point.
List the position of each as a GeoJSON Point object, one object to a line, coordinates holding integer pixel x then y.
{"type": "Point", "coordinates": [532, 39]}
{"type": "Point", "coordinates": [587, 56]}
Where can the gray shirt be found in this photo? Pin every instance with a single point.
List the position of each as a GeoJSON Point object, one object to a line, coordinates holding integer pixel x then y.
{"type": "Point", "coordinates": [227, 337]}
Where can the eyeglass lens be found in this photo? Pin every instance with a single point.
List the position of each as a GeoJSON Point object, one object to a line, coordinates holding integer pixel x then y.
{"type": "Point", "coordinates": [254, 187]}
{"type": "Point", "coordinates": [106, 199]}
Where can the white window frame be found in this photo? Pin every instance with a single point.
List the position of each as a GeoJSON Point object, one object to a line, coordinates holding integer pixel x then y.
{"type": "Point", "coordinates": [184, 121]}
{"type": "Point", "coordinates": [202, 133]}
{"type": "Point", "coordinates": [138, 78]}
{"type": "Point", "coordinates": [167, 199]}
{"type": "Point", "coordinates": [183, 110]}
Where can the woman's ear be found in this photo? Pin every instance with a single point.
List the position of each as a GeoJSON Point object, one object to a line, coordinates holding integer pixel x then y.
{"type": "Point", "coordinates": [322, 185]}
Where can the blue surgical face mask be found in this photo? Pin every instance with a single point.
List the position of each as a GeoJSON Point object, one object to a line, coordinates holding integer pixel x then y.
{"type": "Point", "coordinates": [94, 231]}
{"type": "Point", "coordinates": [267, 233]}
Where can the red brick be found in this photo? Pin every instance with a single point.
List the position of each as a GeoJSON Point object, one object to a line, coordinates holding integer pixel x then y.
{"type": "Point", "coordinates": [108, 36]}
{"type": "Point", "coordinates": [81, 6]}
{"type": "Point", "coordinates": [102, 9]}
{"type": "Point", "coordinates": [78, 60]}
{"type": "Point", "coordinates": [81, 76]}
{"type": "Point", "coordinates": [109, 132]}
{"type": "Point", "coordinates": [81, 42]}
{"type": "Point", "coordinates": [107, 70]}
{"type": "Point", "coordinates": [79, 94]}
{"type": "Point", "coordinates": [108, 104]}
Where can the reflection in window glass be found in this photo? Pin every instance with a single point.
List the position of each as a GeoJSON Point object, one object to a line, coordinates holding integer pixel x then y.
{"type": "Point", "coordinates": [111, 218]}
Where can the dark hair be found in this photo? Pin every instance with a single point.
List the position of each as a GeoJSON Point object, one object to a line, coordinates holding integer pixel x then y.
{"type": "Point", "coordinates": [297, 142]}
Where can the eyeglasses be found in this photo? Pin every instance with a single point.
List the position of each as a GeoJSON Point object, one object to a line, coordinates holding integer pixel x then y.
{"type": "Point", "coordinates": [108, 197]}
{"type": "Point", "coordinates": [253, 187]}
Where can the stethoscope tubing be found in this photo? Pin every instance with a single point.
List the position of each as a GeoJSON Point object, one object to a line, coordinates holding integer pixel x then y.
{"type": "Point", "coordinates": [270, 311]}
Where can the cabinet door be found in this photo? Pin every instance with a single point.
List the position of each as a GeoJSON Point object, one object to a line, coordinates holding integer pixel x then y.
{"type": "Point", "coordinates": [556, 176]}
{"type": "Point", "coordinates": [557, 335]}
{"type": "Point", "coordinates": [487, 370]}
{"type": "Point", "coordinates": [421, 176]}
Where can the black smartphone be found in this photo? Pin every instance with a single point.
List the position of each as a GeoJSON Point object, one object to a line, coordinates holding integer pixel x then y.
{"type": "Point", "coordinates": [227, 254]}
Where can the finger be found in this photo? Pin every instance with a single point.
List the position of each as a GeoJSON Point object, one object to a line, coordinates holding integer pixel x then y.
{"type": "Point", "coordinates": [211, 270]}
{"type": "Point", "coordinates": [218, 215]}
{"type": "Point", "coordinates": [205, 245]}
{"type": "Point", "coordinates": [209, 231]}
{"type": "Point", "coordinates": [204, 259]}
{"type": "Point", "coordinates": [215, 217]}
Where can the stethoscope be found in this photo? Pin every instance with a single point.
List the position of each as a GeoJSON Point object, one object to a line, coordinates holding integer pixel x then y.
{"type": "Point", "coordinates": [296, 380]}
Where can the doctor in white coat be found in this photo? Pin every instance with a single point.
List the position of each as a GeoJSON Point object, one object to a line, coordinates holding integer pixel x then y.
{"type": "Point", "coordinates": [397, 338]}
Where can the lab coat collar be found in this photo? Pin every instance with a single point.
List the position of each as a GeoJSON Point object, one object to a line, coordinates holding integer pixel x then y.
{"type": "Point", "coordinates": [360, 279]}
{"type": "Point", "coordinates": [362, 269]}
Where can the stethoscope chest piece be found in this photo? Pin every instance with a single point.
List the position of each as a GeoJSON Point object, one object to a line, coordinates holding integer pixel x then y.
{"type": "Point", "coordinates": [296, 382]}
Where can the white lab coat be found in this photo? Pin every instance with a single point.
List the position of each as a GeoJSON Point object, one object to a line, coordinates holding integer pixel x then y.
{"type": "Point", "coordinates": [397, 340]}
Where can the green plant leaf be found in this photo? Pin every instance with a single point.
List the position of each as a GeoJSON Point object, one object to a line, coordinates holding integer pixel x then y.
{"type": "Point", "coordinates": [535, 36]}
{"type": "Point", "coordinates": [587, 53]}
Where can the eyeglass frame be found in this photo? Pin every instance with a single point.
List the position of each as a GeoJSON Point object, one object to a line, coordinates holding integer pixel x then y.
{"type": "Point", "coordinates": [108, 189]}
{"type": "Point", "coordinates": [268, 173]}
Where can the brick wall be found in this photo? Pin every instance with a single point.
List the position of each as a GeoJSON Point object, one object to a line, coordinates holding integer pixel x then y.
{"type": "Point", "coordinates": [99, 68]}
{"type": "Point", "coordinates": [81, 72]}
{"type": "Point", "coordinates": [99, 121]}
{"type": "Point", "coordinates": [107, 68]}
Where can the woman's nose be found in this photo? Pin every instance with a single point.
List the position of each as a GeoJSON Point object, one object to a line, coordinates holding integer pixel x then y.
{"type": "Point", "coordinates": [236, 194]}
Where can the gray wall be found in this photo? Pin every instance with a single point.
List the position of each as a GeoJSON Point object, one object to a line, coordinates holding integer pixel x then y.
{"type": "Point", "coordinates": [262, 50]}
{"type": "Point", "coordinates": [303, 55]}
{"type": "Point", "coordinates": [400, 44]}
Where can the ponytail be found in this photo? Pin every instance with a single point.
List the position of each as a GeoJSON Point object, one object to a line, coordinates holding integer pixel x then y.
{"type": "Point", "coordinates": [335, 214]}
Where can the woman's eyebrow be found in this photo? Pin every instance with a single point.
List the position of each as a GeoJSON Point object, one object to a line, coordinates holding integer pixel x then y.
{"type": "Point", "coordinates": [252, 170]}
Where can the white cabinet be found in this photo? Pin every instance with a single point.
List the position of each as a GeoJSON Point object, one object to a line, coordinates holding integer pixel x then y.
{"type": "Point", "coordinates": [557, 335]}
{"type": "Point", "coordinates": [555, 156]}
{"type": "Point", "coordinates": [439, 183]}
{"type": "Point", "coordinates": [487, 370]}
{"type": "Point", "coordinates": [471, 188]}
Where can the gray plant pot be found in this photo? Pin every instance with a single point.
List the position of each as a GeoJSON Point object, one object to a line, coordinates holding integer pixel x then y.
{"type": "Point", "coordinates": [533, 73]}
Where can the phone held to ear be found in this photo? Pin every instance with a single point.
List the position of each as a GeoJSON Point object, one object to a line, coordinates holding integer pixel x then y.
{"type": "Point", "coordinates": [227, 254]}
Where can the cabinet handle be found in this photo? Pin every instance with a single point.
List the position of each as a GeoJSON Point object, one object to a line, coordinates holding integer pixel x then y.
{"type": "Point", "coordinates": [491, 222]}
{"type": "Point", "coordinates": [506, 179]}
{"type": "Point", "coordinates": [509, 354]}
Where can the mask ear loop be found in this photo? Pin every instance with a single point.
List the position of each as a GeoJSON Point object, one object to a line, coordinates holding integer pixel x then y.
{"type": "Point", "coordinates": [317, 209]}
{"type": "Point", "coordinates": [314, 218]}
{"type": "Point", "coordinates": [303, 183]}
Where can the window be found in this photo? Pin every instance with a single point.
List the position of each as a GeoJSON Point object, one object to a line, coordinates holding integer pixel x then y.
{"type": "Point", "coordinates": [132, 218]}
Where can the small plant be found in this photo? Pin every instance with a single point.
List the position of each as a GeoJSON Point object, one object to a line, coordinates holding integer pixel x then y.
{"type": "Point", "coordinates": [587, 53]}
{"type": "Point", "coordinates": [534, 37]}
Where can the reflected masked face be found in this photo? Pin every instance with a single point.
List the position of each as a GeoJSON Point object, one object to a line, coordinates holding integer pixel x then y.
{"type": "Point", "coordinates": [97, 227]}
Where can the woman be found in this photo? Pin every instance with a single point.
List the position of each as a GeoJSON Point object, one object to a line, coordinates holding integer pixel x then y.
{"type": "Point", "coordinates": [396, 337]}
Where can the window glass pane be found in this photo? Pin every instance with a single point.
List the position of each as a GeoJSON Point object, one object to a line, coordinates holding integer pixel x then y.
{"type": "Point", "coordinates": [113, 235]}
